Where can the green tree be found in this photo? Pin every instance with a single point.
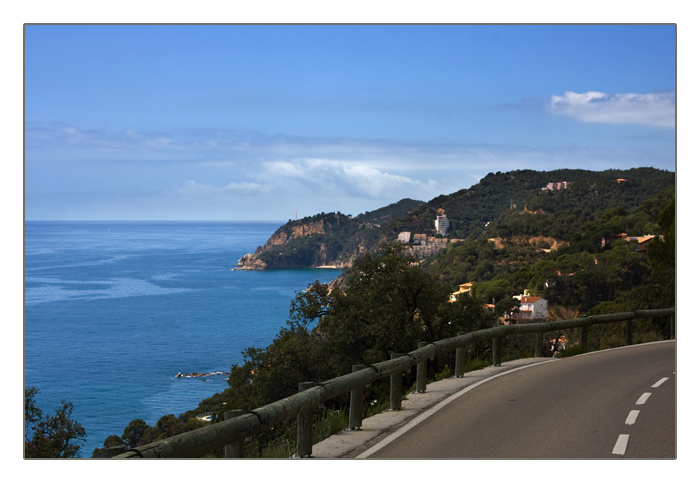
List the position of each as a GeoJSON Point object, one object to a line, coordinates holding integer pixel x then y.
{"type": "Point", "coordinates": [56, 436]}
{"type": "Point", "coordinates": [387, 304]}
{"type": "Point", "coordinates": [133, 433]}
{"type": "Point", "coordinates": [661, 254]}
{"type": "Point", "coordinates": [168, 425]}
{"type": "Point", "coordinates": [508, 305]}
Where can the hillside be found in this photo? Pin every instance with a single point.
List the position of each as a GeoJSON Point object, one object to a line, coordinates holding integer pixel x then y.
{"type": "Point", "coordinates": [500, 205]}
{"type": "Point", "coordinates": [469, 210]}
{"type": "Point", "coordinates": [326, 239]}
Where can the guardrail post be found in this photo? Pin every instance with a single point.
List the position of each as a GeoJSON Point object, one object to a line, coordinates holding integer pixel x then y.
{"type": "Point", "coordinates": [460, 358]}
{"type": "Point", "coordinates": [305, 426]}
{"type": "Point", "coordinates": [233, 450]}
{"type": "Point", "coordinates": [356, 396]}
{"type": "Point", "coordinates": [538, 344]}
{"type": "Point", "coordinates": [395, 387]}
{"type": "Point", "coordinates": [421, 372]}
{"type": "Point", "coordinates": [628, 332]}
{"type": "Point", "coordinates": [497, 344]}
{"type": "Point", "coordinates": [584, 338]}
{"type": "Point", "coordinates": [673, 326]}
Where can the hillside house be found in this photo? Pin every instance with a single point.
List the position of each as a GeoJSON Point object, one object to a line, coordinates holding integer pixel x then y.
{"type": "Point", "coordinates": [463, 287]}
{"type": "Point", "coordinates": [557, 186]}
{"type": "Point", "coordinates": [405, 236]}
{"type": "Point", "coordinates": [532, 309]}
{"type": "Point", "coordinates": [642, 241]}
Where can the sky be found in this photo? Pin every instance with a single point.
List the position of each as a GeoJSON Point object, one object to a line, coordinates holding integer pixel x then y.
{"type": "Point", "coordinates": [273, 122]}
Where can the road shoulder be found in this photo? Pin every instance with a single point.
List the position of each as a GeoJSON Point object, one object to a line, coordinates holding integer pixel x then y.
{"type": "Point", "coordinates": [415, 407]}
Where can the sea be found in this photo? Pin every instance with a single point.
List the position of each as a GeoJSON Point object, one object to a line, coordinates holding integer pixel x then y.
{"type": "Point", "coordinates": [114, 310]}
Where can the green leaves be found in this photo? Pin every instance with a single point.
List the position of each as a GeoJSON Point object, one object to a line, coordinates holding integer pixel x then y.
{"type": "Point", "coordinates": [56, 436]}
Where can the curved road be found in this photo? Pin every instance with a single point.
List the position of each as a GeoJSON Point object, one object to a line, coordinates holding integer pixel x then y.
{"type": "Point", "coordinates": [606, 404]}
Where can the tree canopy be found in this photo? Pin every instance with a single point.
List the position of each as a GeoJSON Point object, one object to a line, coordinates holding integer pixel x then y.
{"type": "Point", "coordinates": [50, 436]}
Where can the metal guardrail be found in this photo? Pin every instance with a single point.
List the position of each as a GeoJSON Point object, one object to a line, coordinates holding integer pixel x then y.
{"type": "Point", "coordinates": [233, 431]}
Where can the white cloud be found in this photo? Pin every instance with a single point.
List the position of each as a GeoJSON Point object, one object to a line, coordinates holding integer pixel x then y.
{"type": "Point", "coordinates": [335, 178]}
{"type": "Point", "coordinates": [191, 187]}
{"type": "Point", "coordinates": [377, 184]}
{"type": "Point", "coordinates": [248, 187]}
{"type": "Point", "coordinates": [656, 109]}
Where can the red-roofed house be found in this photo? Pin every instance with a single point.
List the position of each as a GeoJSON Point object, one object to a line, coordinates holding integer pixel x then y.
{"type": "Point", "coordinates": [532, 309]}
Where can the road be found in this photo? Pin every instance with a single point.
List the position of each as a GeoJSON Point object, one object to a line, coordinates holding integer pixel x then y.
{"type": "Point", "coordinates": [618, 403]}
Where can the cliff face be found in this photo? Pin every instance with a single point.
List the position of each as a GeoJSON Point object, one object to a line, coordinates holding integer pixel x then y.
{"type": "Point", "coordinates": [289, 232]}
{"type": "Point", "coordinates": [306, 243]}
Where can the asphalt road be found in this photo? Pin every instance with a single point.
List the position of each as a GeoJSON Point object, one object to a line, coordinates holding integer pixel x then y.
{"type": "Point", "coordinates": [610, 404]}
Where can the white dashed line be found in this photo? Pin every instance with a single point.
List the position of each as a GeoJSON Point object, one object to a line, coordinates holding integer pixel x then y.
{"type": "Point", "coordinates": [621, 444]}
{"type": "Point", "coordinates": [660, 381]}
{"type": "Point", "coordinates": [623, 439]}
{"type": "Point", "coordinates": [632, 417]}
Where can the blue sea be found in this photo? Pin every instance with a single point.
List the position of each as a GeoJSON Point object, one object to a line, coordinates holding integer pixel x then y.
{"type": "Point", "coordinates": [113, 310]}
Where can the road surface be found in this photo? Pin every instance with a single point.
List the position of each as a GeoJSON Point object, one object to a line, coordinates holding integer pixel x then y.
{"type": "Point", "coordinates": [618, 403]}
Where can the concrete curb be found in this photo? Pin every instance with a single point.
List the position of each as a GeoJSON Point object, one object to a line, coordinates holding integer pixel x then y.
{"type": "Point", "coordinates": [353, 443]}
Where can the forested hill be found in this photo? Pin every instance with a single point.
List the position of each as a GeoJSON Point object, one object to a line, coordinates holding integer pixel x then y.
{"type": "Point", "coordinates": [336, 239]}
{"type": "Point", "coordinates": [468, 210]}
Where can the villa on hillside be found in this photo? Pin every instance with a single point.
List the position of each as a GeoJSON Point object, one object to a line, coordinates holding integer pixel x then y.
{"type": "Point", "coordinates": [468, 288]}
{"type": "Point", "coordinates": [463, 287]}
{"type": "Point", "coordinates": [532, 309]}
{"type": "Point", "coordinates": [557, 186]}
{"type": "Point", "coordinates": [642, 241]}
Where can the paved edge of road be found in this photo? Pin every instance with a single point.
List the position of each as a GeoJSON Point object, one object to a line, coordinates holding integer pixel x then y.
{"type": "Point", "coordinates": [384, 427]}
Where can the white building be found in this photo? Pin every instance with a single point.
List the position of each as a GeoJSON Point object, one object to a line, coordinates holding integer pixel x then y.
{"type": "Point", "coordinates": [405, 236]}
{"type": "Point", "coordinates": [532, 309]}
{"type": "Point", "coordinates": [442, 224]}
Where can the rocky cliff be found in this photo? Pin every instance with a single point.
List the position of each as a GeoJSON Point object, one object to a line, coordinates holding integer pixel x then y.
{"type": "Point", "coordinates": [325, 240]}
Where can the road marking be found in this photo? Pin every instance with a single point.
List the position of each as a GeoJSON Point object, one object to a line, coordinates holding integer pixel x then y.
{"type": "Point", "coordinates": [660, 381]}
{"type": "Point", "coordinates": [632, 416]}
{"type": "Point", "coordinates": [621, 444]}
{"type": "Point", "coordinates": [643, 398]}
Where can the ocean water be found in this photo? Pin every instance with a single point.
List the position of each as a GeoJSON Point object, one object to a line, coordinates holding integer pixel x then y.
{"type": "Point", "coordinates": [113, 310]}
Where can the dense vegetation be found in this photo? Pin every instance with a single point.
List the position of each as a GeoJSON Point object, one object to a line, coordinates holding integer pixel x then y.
{"type": "Point", "coordinates": [581, 273]}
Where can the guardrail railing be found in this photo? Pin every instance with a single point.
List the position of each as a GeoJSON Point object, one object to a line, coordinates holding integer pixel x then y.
{"type": "Point", "coordinates": [231, 432]}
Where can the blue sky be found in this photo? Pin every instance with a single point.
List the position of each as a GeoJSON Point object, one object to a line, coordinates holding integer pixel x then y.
{"type": "Point", "coordinates": [258, 122]}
